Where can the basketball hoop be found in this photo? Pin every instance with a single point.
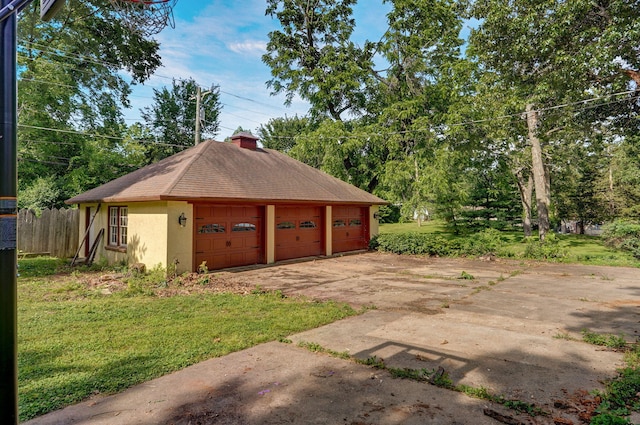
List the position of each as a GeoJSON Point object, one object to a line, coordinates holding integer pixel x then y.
{"type": "Point", "coordinates": [146, 17]}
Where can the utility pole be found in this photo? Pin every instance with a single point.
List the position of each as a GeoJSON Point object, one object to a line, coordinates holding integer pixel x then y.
{"type": "Point", "coordinates": [199, 97]}
{"type": "Point", "coordinates": [9, 204]}
{"type": "Point", "coordinates": [8, 219]}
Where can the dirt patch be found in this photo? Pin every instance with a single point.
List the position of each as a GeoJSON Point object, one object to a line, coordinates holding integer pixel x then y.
{"type": "Point", "coordinates": [92, 283]}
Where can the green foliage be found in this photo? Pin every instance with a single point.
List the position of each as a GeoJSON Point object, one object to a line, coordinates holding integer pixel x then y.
{"type": "Point", "coordinates": [373, 361]}
{"type": "Point", "coordinates": [549, 249]}
{"type": "Point", "coordinates": [203, 268]}
{"type": "Point", "coordinates": [72, 80]}
{"type": "Point", "coordinates": [578, 248]}
{"type": "Point", "coordinates": [317, 348]}
{"type": "Point", "coordinates": [609, 419]}
{"type": "Point", "coordinates": [481, 393]}
{"type": "Point", "coordinates": [621, 394]}
{"type": "Point", "coordinates": [43, 193]}
{"type": "Point", "coordinates": [413, 243]}
{"type": "Point", "coordinates": [623, 234]}
{"type": "Point", "coordinates": [39, 266]}
{"type": "Point", "coordinates": [466, 276]}
{"type": "Point", "coordinates": [281, 133]}
{"type": "Point", "coordinates": [389, 214]}
{"type": "Point", "coordinates": [612, 341]}
{"type": "Point", "coordinates": [311, 56]}
{"type": "Point", "coordinates": [489, 241]}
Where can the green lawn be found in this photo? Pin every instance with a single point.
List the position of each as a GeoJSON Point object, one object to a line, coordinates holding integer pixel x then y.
{"type": "Point", "coordinates": [73, 342]}
{"type": "Point", "coordinates": [581, 249]}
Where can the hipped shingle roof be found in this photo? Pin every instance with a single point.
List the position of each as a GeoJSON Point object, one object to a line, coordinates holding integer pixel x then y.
{"type": "Point", "coordinates": [214, 171]}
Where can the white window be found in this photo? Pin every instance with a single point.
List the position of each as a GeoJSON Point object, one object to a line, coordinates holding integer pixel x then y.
{"type": "Point", "coordinates": [118, 223]}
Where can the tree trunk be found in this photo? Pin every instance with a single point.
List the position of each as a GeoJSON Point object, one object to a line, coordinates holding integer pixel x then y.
{"type": "Point", "coordinates": [526, 194]}
{"type": "Point", "coordinates": [539, 172]}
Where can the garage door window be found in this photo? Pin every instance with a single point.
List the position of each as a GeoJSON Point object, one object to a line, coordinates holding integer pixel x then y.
{"type": "Point", "coordinates": [308, 224]}
{"type": "Point", "coordinates": [212, 228]}
{"type": "Point", "coordinates": [286, 225]}
{"type": "Point", "coordinates": [244, 227]}
{"type": "Point", "coordinates": [339, 223]}
{"type": "Point", "coordinates": [355, 222]}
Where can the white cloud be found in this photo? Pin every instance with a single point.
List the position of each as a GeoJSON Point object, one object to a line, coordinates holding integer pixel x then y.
{"type": "Point", "coordinates": [254, 48]}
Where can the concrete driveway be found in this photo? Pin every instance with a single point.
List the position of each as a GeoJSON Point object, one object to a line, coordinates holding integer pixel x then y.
{"type": "Point", "coordinates": [510, 328]}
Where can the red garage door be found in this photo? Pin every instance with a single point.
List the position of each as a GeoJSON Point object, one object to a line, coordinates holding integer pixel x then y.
{"type": "Point", "coordinates": [228, 236]}
{"type": "Point", "coordinates": [349, 228]}
{"type": "Point", "coordinates": [298, 232]}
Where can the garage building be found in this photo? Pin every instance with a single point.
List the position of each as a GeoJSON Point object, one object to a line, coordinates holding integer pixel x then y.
{"type": "Point", "coordinates": [224, 205]}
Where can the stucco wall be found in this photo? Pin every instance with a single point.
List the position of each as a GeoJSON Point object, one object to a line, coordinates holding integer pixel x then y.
{"type": "Point", "coordinates": [328, 230]}
{"type": "Point", "coordinates": [180, 239]}
{"type": "Point", "coordinates": [147, 233]}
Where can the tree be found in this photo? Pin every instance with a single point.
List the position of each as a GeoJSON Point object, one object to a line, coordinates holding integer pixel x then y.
{"type": "Point", "coordinates": [171, 119]}
{"type": "Point", "coordinates": [313, 57]}
{"type": "Point", "coordinates": [71, 92]}
{"type": "Point", "coordinates": [281, 133]}
{"type": "Point", "coordinates": [551, 52]}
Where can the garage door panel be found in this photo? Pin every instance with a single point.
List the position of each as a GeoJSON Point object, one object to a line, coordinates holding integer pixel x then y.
{"type": "Point", "coordinates": [229, 236]}
{"type": "Point", "coordinates": [349, 229]}
{"type": "Point", "coordinates": [299, 232]}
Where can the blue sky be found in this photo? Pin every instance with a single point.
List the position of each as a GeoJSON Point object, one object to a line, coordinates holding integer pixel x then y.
{"type": "Point", "coordinates": [221, 42]}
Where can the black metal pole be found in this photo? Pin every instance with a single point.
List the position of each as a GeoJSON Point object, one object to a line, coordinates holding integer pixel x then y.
{"type": "Point", "coordinates": [8, 211]}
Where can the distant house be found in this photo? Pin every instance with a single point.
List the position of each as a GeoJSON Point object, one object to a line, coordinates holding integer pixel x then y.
{"type": "Point", "coordinates": [226, 204]}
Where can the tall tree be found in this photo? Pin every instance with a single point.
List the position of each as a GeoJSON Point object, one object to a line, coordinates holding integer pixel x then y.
{"type": "Point", "coordinates": [71, 92]}
{"type": "Point", "coordinates": [552, 52]}
{"type": "Point", "coordinates": [171, 119]}
{"type": "Point", "coordinates": [312, 56]}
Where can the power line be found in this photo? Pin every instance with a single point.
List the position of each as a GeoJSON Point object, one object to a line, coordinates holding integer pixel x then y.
{"type": "Point", "coordinates": [484, 120]}
{"type": "Point", "coordinates": [81, 133]}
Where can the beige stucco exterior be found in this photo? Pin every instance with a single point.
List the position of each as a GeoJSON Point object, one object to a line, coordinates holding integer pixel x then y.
{"type": "Point", "coordinates": [328, 230]}
{"type": "Point", "coordinates": [154, 236]}
{"type": "Point", "coordinates": [270, 213]}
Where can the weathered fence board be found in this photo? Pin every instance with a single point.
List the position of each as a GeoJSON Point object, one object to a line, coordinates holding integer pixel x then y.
{"type": "Point", "coordinates": [55, 232]}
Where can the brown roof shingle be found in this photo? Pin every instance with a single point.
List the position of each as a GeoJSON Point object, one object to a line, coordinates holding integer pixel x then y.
{"type": "Point", "coordinates": [224, 171]}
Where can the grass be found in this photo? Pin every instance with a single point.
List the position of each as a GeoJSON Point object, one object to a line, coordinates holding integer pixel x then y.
{"type": "Point", "coordinates": [581, 249]}
{"type": "Point", "coordinates": [616, 342]}
{"type": "Point", "coordinates": [70, 347]}
{"type": "Point", "coordinates": [622, 393]}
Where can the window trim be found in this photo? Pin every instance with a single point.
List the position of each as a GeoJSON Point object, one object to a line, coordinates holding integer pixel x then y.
{"type": "Point", "coordinates": [115, 222]}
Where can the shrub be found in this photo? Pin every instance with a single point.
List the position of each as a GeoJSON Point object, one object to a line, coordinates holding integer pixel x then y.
{"type": "Point", "coordinates": [412, 243]}
{"type": "Point", "coordinates": [488, 241]}
{"type": "Point", "coordinates": [622, 234]}
{"type": "Point", "coordinates": [549, 249]}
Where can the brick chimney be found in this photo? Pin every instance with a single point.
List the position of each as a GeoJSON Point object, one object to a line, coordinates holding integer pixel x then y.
{"type": "Point", "coordinates": [245, 140]}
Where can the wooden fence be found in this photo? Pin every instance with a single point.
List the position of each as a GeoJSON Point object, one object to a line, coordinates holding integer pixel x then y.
{"type": "Point", "coordinates": [54, 233]}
